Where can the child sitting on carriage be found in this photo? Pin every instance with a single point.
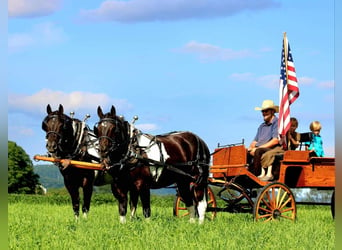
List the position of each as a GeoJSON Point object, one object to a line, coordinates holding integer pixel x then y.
{"type": "Point", "coordinates": [315, 146]}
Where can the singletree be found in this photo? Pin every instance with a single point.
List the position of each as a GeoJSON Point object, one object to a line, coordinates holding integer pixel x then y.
{"type": "Point", "coordinates": [21, 177]}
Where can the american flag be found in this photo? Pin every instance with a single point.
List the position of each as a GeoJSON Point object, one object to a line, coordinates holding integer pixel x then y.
{"type": "Point", "coordinates": [288, 90]}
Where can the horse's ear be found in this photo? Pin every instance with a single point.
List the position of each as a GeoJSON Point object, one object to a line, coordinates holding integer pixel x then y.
{"type": "Point", "coordinates": [61, 109]}
{"type": "Point", "coordinates": [113, 111]}
{"type": "Point", "coordinates": [99, 112]}
{"type": "Point", "coordinates": [48, 109]}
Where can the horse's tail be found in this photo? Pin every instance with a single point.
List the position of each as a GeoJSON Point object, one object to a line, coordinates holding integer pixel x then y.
{"type": "Point", "coordinates": [203, 151]}
{"type": "Point", "coordinates": [203, 160]}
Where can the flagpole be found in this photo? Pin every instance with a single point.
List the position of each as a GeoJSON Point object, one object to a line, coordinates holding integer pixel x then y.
{"type": "Point", "coordinates": [285, 52]}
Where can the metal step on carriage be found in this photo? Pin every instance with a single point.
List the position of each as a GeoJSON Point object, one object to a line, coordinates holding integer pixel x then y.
{"type": "Point", "coordinates": [231, 181]}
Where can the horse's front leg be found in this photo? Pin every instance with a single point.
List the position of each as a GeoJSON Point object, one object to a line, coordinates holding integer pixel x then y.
{"type": "Point", "coordinates": [134, 195]}
{"type": "Point", "coordinates": [186, 194]}
{"type": "Point", "coordinates": [87, 194]}
{"type": "Point", "coordinates": [201, 200]}
{"type": "Point", "coordinates": [121, 195]}
{"type": "Point", "coordinates": [145, 197]}
{"type": "Point", "coordinates": [75, 199]}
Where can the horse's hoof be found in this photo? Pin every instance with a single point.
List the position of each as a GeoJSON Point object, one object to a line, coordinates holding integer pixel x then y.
{"type": "Point", "coordinates": [85, 216]}
{"type": "Point", "coordinates": [77, 218]}
{"type": "Point", "coordinates": [122, 219]}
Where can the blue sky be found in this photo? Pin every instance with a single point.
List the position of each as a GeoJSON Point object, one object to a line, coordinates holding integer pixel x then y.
{"type": "Point", "coordinates": [190, 65]}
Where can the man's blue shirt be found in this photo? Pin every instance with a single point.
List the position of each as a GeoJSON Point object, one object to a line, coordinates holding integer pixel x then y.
{"type": "Point", "coordinates": [266, 132]}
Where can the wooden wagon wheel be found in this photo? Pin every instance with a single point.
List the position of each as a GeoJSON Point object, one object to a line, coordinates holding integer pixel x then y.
{"type": "Point", "coordinates": [236, 196]}
{"type": "Point", "coordinates": [333, 204]}
{"type": "Point", "coordinates": [180, 210]}
{"type": "Point", "coordinates": [275, 202]}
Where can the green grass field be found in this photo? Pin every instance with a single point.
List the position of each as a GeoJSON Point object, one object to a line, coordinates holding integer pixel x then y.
{"type": "Point", "coordinates": [47, 222]}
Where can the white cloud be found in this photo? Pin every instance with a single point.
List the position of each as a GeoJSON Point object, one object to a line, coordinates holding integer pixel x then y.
{"type": "Point", "coordinates": [156, 10]}
{"type": "Point", "coordinates": [207, 52]}
{"type": "Point", "coordinates": [43, 34]}
{"type": "Point", "coordinates": [267, 81]}
{"type": "Point", "coordinates": [147, 127]}
{"type": "Point", "coordinates": [242, 77]}
{"type": "Point", "coordinates": [77, 100]}
{"type": "Point", "coordinates": [32, 8]}
{"type": "Point", "coordinates": [22, 131]}
{"type": "Point", "coordinates": [19, 40]}
{"type": "Point", "coordinates": [305, 80]}
{"type": "Point", "coordinates": [327, 84]}
{"type": "Point", "coordinates": [272, 81]}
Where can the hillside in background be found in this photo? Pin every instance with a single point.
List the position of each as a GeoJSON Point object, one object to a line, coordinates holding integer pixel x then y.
{"type": "Point", "coordinates": [49, 175]}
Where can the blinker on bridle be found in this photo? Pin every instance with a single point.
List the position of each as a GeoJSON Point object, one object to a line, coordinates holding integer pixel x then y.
{"type": "Point", "coordinates": [114, 143]}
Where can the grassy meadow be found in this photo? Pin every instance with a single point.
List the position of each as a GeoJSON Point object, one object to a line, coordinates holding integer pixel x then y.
{"type": "Point", "coordinates": [47, 222]}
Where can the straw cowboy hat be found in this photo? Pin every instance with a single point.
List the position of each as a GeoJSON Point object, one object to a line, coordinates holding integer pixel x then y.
{"type": "Point", "coordinates": [268, 104]}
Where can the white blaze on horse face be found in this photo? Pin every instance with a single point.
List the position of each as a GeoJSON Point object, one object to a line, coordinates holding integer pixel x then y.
{"type": "Point", "coordinates": [152, 148]}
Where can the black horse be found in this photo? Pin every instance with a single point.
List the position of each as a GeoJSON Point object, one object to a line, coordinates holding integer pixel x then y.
{"type": "Point", "coordinates": [138, 162]}
{"type": "Point", "coordinates": [70, 138]}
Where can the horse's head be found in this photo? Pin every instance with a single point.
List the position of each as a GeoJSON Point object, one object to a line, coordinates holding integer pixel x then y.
{"type": "Point", "coordinates": [58, 128]}
{"type": "Point", "coordinates": [112, 134]}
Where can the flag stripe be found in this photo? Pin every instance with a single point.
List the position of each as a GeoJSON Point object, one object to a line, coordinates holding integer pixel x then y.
{"type": "Point", "coordinates": [288, 90]}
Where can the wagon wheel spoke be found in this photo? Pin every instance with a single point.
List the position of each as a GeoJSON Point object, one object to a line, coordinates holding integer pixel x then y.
{"type": "Point", "coordinates": [274, 202]}
{"type": "Point", "coordinates": [280, 200]}
{"type": "Point", "coordinates": [265, 210]}
{"type": "Point", "coordinates": [267, 203]}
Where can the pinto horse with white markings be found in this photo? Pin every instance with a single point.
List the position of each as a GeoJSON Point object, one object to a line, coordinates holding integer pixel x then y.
{"type": "Point", "coordinates": [68, 138]}
{"type": "Point", "coordinates": [138, 162]}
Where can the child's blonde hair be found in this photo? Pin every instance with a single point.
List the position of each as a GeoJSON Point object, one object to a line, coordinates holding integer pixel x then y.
{"type": "Point", "coordinates": [315, 126]}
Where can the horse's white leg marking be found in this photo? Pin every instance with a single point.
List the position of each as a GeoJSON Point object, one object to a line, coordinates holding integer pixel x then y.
{"type": "Point", "coordinates": [133, 210]}
{"type": "Point", "coordinates": [192, 214]}
{"type": "Point", "coordinates": [202, 208]}
{"type": "Point", "coordinates": [85, 215]}
{"type": "Point", "coordinates": [122, 219]}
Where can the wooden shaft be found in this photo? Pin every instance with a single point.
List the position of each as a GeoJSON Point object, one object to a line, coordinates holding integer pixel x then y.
{"type": "Point", "coordinates": [78, 164]}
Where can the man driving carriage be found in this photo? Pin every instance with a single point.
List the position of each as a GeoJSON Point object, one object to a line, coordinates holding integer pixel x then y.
{"type": "Point", "coordinates": [265, 139]}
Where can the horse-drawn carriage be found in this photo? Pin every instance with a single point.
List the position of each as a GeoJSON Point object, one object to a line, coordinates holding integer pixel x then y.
{"type": "Point", "coordinates": [184, 159]}
{"type": "Point", "coordinates": [267, 200]}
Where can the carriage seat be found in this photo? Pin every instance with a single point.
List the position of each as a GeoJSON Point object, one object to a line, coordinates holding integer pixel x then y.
{"type": "Point", "coordinates": [305, 138]}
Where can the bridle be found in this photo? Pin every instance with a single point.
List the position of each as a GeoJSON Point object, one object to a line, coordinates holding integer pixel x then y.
{"type": "Point", "coordinates": [52, 131]}
{"type": "Point", "coordinates": [113, 134]}
{"type": "Point", "coordinates": [57, 130]}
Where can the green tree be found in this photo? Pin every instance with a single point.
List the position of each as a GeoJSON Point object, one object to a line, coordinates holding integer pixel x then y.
{"type": "Point", "coordinates": [21, 177]}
